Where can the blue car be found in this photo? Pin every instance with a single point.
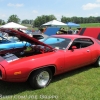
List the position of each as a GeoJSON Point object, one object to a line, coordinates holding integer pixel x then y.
{"type": "Point", "coordinates": [12, 43]}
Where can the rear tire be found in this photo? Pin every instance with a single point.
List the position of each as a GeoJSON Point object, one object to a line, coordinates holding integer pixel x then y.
{"type": "Point", "coordinates": [97, 63]}
{"type": "Point", "coordinates": [40, 78]}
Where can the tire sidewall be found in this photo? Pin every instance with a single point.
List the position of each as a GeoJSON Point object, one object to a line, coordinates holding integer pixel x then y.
{"type": "Point", "coordinates": [97, 63]}
{"type": "Point", "coordinates": [33, 78]}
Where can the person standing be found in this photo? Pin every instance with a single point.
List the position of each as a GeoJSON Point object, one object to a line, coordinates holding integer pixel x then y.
{"type": "Point", "coordinates": [70, 31]}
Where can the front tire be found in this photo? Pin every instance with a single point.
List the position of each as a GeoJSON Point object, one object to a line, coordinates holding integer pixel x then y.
{"type": "Point", "coordinates": [40, 78]}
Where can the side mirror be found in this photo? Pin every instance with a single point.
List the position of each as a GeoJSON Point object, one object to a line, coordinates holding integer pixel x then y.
{"type": "Point", "coordinates": [73, 47]}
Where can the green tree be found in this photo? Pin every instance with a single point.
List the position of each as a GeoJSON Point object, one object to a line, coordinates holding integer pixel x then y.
{"type": "Point", "coordinates": [66, 19]}
{"type": "Point", "coordinates": [43, 19]}
{"type": "Point", "coordinates": [98, 19]}
{"type": "Point", "coordinates": [2, 22]}
{"type": "Point", "coordinates": [14, 18]}
{"type": "Point", "coordinates": [92, 19]}
{"type": "Point", "coordinates": [26, 21]}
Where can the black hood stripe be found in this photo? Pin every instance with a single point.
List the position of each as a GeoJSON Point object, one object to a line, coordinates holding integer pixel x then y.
{"type": "Point", "coordinates": [82, 31]}
{"type": "Point", "coordinates": [98, 37]}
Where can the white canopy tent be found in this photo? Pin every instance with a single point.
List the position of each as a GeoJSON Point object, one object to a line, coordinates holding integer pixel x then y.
{"type": "Point", "coordinates": [54, 23]}
{"type": "Point", "coordinates": [13, 25]}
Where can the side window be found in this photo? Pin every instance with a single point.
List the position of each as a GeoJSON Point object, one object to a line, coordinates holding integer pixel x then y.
{"type": "Point", "coordinates": [81, 43]}
{"type": "Point", "coordinates": [86, 42]}
{"type": "Point", "coordinates": [97, 41]}
{"type": "Point", "coordinates": [77, 44]}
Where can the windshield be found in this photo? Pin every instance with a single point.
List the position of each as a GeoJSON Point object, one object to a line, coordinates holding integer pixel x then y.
{"type": "Point", "coordinates": [57, 42]}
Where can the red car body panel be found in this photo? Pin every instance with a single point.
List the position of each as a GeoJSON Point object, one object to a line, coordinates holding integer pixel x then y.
{"type": "Point", "coordinates": [62, 60]}
{"type": "Point", "coordinates": [90, 31]}
{"type": "Point", "coordinates": [26, 65]}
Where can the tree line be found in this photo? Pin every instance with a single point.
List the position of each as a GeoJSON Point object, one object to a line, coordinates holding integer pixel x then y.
{"type": "Point", "coordinates": [45, 18]}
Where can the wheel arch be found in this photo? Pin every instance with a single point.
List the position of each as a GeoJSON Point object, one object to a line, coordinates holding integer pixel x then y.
{"type": "Point", "coordinates": [51, 67]}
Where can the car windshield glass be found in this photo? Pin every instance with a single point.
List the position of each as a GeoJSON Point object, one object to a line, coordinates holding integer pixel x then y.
{"type": "Point", "coordinates": [57, 42]}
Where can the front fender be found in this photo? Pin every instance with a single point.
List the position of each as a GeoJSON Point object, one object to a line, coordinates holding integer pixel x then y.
{"type": "Point", "coordinates": [22, 68]}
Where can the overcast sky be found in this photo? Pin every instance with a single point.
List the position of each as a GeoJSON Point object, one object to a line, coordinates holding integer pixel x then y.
{"type": "Point", "coordinates": [30, 9]}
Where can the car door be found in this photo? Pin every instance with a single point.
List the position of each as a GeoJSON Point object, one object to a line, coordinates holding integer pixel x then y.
{"type": "Point", "coordinates": [78, 57]}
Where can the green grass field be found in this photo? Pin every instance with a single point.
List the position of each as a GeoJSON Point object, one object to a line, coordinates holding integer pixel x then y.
{"type": "Point", "coordinates": [90, 25]}
{"type": "Point", "coordinates": [84, 26]}
{"type": "Point", "coordinates": [80, 84]}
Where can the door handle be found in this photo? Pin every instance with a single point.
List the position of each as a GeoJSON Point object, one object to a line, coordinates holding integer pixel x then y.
{"type": "Point", "coordinates": [88, 50]}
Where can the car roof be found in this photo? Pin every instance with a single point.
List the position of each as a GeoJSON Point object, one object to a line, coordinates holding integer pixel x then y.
{"type": "Point", "coordinates": [71, 36]}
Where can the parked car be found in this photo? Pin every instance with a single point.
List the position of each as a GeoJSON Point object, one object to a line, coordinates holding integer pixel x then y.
{"type": "Point", "coordinates": [12, 42]}
{"type": "Point", "coordinates": [55, 55]}
{"type": "Point", "coordinates": [39, 36]}
{"type": "Point", "coordinates": [36, 34]}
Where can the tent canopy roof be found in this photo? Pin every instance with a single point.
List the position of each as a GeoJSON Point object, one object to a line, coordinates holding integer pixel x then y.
{"type": "Point", "coordinates": [54, 22]}
{"type": "Point", "coordinates": [13, 25]}
{"type": "Point", "coordinates": [71, 24]}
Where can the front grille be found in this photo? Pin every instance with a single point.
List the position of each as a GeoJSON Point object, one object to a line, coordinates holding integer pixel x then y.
{"type": "Point", "coordinates": [0, 74]}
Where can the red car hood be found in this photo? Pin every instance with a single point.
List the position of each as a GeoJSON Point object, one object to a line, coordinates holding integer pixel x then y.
{"type": "Point", "coordinates": [23, 37]}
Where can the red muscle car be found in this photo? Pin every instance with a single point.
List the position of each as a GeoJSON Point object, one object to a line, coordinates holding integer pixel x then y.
{"type": "Point", "coordinates": [42, 60]}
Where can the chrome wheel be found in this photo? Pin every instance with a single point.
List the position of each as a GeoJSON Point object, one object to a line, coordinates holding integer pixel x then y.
{"type": "Point", "coordinates": [43, 78]}
{"type": "Point", "coordinates": [40, 78]}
